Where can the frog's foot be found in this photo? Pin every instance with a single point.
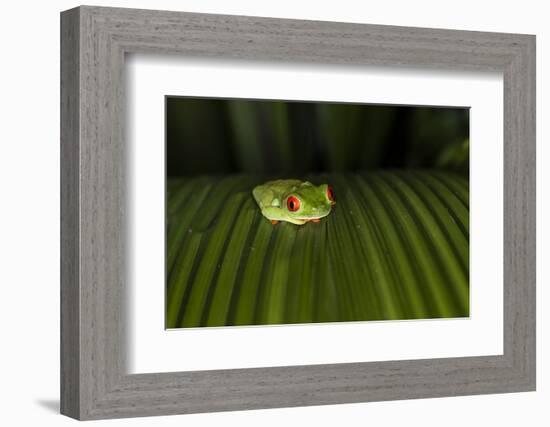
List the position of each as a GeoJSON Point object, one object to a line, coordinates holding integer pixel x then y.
{"type": "Point", "coordinates": [316, 220]}
{"type": "Point", "coordinates": [274, 221]}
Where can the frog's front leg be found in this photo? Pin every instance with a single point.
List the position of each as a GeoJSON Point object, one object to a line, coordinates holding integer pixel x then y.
{"type": "Point", "coordinates": [272, 213]}
{"type": "Point", "coordinates": [275, 214]}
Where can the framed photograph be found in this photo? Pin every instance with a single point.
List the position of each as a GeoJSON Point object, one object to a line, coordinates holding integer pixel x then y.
{"type": "Point", "coordinates": [262, 213]}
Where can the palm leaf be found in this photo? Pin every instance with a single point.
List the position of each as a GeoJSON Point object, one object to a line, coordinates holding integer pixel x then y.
{"type": "Point", "coordinates": [396, 246]}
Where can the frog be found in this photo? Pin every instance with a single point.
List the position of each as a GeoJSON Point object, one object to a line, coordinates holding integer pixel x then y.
{"type": "Point", "coordinates": [294, 201]}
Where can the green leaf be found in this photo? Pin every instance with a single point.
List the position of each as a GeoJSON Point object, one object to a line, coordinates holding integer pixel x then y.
{"type": "Point", "coordinates": [396, 246]}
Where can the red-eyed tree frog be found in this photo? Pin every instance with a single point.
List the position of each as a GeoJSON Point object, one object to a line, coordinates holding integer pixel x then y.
{"type": "Point", "coordinates": [294, 201]}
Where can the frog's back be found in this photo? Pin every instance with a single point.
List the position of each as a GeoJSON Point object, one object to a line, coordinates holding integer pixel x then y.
{"type": "Point", "coordinates": [283, 186]}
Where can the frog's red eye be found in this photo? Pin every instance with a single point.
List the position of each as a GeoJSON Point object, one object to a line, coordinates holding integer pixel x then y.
{"type": "Point", "coordinates": [293, 203]}
{"type": "Point", "coordinates": [330, 194]}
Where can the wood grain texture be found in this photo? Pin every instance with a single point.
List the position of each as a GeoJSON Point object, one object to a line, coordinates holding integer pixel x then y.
{"type": "Point", "coordinates": [70, 292]}
{"type": "Point", "coordinates": [94, 380]}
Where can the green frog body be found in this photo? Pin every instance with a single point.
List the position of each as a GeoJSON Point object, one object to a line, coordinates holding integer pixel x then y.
{"type": "Point", "coordinates": [294, 201]}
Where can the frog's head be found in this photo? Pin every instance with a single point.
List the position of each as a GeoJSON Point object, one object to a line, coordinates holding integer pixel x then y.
{"type": "Point", "coordinates": [307, 201]}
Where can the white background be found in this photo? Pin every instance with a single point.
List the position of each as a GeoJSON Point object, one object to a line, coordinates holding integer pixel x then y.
{"type": "Point", "coordinates": [29, 214]}
{"type": "Point", "coordinates": [152, 349]}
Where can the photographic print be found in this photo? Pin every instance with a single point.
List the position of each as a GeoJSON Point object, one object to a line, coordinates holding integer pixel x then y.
{"type": "Point", "coordinates": [294, 212]}
{"type": "Point", "coordinates": [281, 212]}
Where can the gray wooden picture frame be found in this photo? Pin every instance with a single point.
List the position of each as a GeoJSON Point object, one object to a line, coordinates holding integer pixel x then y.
{"type": "Point", "coordinates": [94, 381]}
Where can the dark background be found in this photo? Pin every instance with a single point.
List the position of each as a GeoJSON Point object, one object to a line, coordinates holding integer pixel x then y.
{"type": "Point", "coordinates": [206, 136]}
